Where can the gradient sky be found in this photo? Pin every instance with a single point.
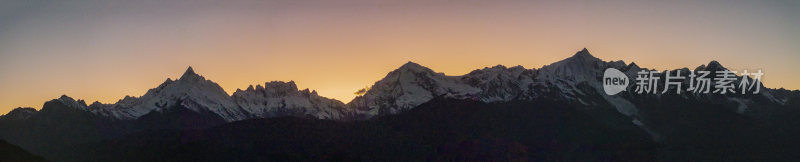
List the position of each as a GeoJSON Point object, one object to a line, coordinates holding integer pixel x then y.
{"type": "Point", "coordinates": [105, 50]}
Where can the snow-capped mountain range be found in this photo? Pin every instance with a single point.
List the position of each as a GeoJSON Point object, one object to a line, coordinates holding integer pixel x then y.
{"type": "Point", "coordinates": [576, 79]}
{"type": "Point", "coordinates": [195, 93]}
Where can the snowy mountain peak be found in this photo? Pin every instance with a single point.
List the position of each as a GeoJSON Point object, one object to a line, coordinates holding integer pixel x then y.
{"type": "Point", "coordinates": [583, 55]}
{"type": "Point", "coordinates": [271, 89]}
{"type": "Point", "coordinates": [408, 86]}
{"type": "Point", "coordinates": [206, 98]}
{"type": "Point", "coordinates": [413, 84]}
{"type": "Point", "coordinates": [191, 91]}
{"type": "Point", "coordinates": [503, 68]}
{"type": "Point", "coordinates": [280, 87]}
{"type": "Point", "coordinates": [411, 63]}
{"type": "Point", "coordinates": [278, 98]}
{"type": "Point", "coordinates": [189, 71]}
{"type": "Point", "coordinates": [190, 75]}
{"type": "Point", "coordinates": [414, 67]}
{"type": "Point", "coordinates": [580, 67]}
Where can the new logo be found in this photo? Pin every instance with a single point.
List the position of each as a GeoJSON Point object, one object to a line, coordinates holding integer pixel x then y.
{"type": "Point", "coordinates": [614, 81]}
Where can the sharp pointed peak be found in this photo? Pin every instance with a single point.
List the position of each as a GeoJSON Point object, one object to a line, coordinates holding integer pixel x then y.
{"type": "Point", "coordinates": [581, 57]}
{"type": "Point", "coordinates": [189, 71]}
{"type": "Point", "coordinates": [189, 74]}
{"type": "Point", "coordinates": [583, 53]}
{"type": "Point", "coordinates": [633, 64]}
{"type": "Point", "coordinates": [168, 81]}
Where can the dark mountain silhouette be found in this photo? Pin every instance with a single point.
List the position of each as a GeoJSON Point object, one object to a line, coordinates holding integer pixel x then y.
{"type": "Point", "coordinates": [442, 129]}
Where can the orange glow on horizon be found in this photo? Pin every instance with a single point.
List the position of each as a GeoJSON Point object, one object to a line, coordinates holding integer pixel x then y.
{"type": "Point", "coordinates": [105, 51]}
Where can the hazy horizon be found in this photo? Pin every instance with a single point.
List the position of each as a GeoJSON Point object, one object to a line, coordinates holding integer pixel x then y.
{"type": "Point", "coordinates": [105, 50]}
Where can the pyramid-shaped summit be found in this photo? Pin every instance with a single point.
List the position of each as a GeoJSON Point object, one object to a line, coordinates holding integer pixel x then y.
{"type": "Point", "coordinates": [583, 53]}
{"type": "Point", "coordinates": [189, 71]}
{"type": "Point", "coordinates": [190, 74]}
{"type": "Point", "coordinates": [414, 67]}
